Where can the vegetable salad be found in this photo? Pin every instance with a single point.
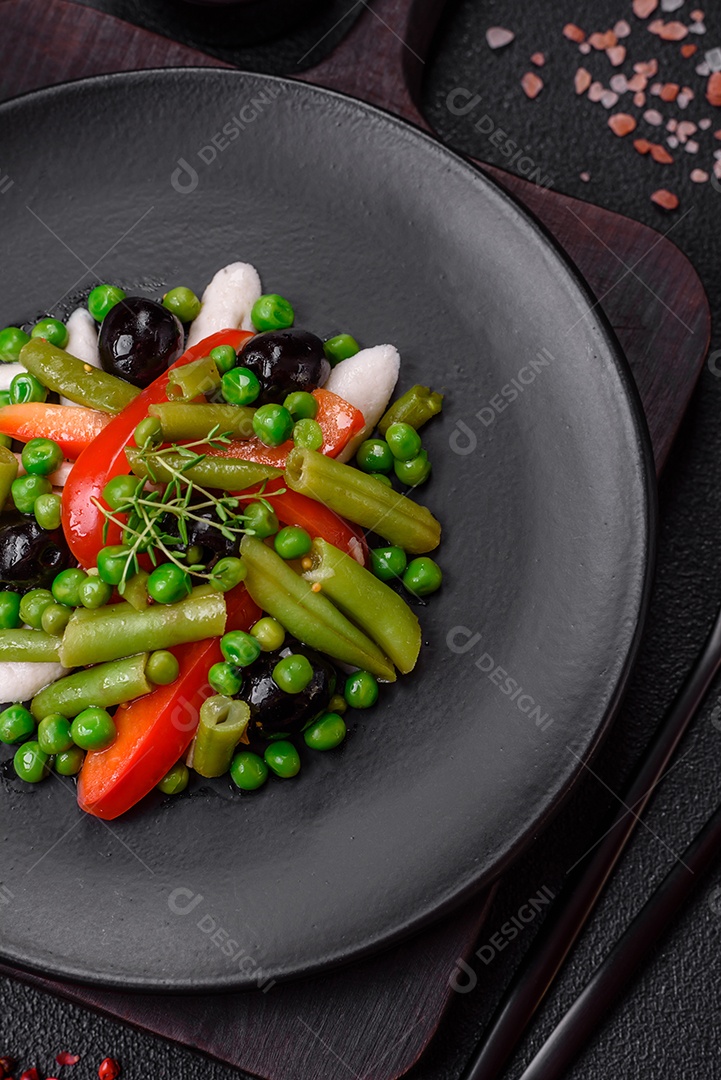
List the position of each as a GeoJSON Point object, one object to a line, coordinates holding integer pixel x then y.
{"type": "Point", "coordinates": [188, 487]}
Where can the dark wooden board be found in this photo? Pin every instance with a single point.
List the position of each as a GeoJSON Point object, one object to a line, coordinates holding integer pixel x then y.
{"type": "Point", "coordinates": [360, 1011]}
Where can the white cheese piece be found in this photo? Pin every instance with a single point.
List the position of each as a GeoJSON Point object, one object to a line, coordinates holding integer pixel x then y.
{"type": "Point", "coordinates": [367, 381]}
{"type": "Point", "coordinates": [82, 340]}
{"type": "Point", "coordinates": [21, 681]}
{"type": "Point", "coordinates": [227, 302]}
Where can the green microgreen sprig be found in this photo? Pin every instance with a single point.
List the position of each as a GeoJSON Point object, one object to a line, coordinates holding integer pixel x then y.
{"type": "Point", "coordinates": [142, 514]}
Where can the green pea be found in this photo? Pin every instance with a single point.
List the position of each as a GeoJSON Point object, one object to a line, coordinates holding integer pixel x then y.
{"type": "Point", "coordinates": [225, 679]}
{"type": "Point", "coordinates": [374, 456]}
{"type": "Point", "coordinates": [183, 303]}
{"type": "Point", "coordinates": [240, 386]}
{"type": "Point", "coordinates": [413, 472]}
{"type": "Point", "coordinates": [31, 763]}
{"type": "Point", "coordinates": [361, 690]}
{"type": "Point", "coordinates": [227, 573]}
{"type": "Point", "coordinates": [102, 299]}
{"type": "Point", "coordinates": [41, 457]}
{"type": "Point", "coordinates": [283, 758]}
{"type": "Point", "coordinates": [16, 724]}
{"type": "Point", "coordinates": [325, 733]}
{"type": "Point", "coordinates": [25, 387]}
{"type": "Point", "coordinates": [112, 562]}
{"type": "Point", "coordinates": [248, 771]}
{"type": "Point", "coordinates": [9, 610]}
{"type": "Point", "coordinates": [239, 648]}
{"type": "Point", "coordinates": [25, 491]}
{"type": "Point", "coordinates": [94, 593]}
{"type": "Point", "coordinates": [52, 330]}
{"type": "Point", "coordinates": [272, 312]}
{"type": "Point", "coordinates": [308, 434]}
{"type": "Point", "coordinates": [55, 618]}
{"type": "Point", "coordinates": [293, 673]}
{"type": "Point", "coordinates": [54, 734]}
{"type": "Point", "coordinates": [224, 357]}
{"type": "Point", "coordinates": [168, 583]}
{"type": "Point", "coordinates": [338, 704]}
{"type": "Point", "coordinates": [388, 563]}
{"type": "Point", "coordinates": [340, 348]}
{"type": "Point", "coordinates": [292, 542]}
{"type": "Point", "coordinates": [149, 432]}
{"type": "Point", "coordinates": [273, 424]}
{"type": "Point", "coordinates": [404, 441]}
{"type": "Point", "coordinates": [301, 405]}
{"type": "Point", "coordinates": [48, 511]}
{"type": "Point", "coordinates": [119, 492]}
{"type": "Point", "coordinates": [12, 340]}
{"type": "Point", "coordinates": [93, 729]}
{"type": "Point", "coordinates": [32, 606]}
{"type": "Point", "coordinates": [269, 634]}
{"type": "Point", "coordinates": [66, 587]}
{"type": "Point", "coordinates": [162, 667]}
{"type": "Point", "coordinates": [176, 780]}
{"type": "Point", "coordinates": [423, 576]}
{"type": "Point", "coordinates": [69, 762]}
{"type": "Point", "coordinates": [260, 520]}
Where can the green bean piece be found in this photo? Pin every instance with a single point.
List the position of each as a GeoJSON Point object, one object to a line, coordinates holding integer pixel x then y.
{"type": "Point", "coordinates": [416, 407]}
{"type": "Point", "coordinates": [308, 615]}
{"type": "Point", "coordinates": [192, 380]}
{"type": "Point", "coordinates": [136, 590]}
{"type": "Point", "coordinates": [228, 474]}
{"type": "Point", "coordinates": [118, 630]}
{"type": "Point", "coordinates": [76, 380]}
{"type": "Point", "coordinates": [103, 686]}
{"type": "Point", "coordinates": [360, 498]}
{"type": "Point", "coordinates": [8, 472]}
{"type": "Point", "coordinates": [223, 723]}
{"type": "Point", "coordinates": [184, 422]}
{"type": "Point", "coordinates": [32, 645]}
{"type": "Point", "coordinates": [369, 602]}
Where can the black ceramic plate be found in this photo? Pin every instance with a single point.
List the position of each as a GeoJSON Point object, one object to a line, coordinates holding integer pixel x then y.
{"type": "Point", "coordinates": [541, 480]}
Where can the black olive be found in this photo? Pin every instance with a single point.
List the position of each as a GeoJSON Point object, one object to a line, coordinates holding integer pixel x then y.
{"type": "Point", "coordinates": [202, 534]}
{"type": "Point", "coordinates": [272, 710]}
{"type": "Point", "coordinates": [30, 557]}
{"type": "Point", "coordinates": [139, 340]}
{"type": "Point", "coordinates": [284, 361]}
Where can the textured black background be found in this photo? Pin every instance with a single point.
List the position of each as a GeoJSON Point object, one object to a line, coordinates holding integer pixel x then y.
{"type": "Point", "coordinates": [669, 1024]}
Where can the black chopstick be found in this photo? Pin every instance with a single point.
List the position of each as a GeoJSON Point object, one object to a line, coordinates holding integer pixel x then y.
{"type": "Point", "coordinates": [609, 980]}
{"type": "Point", "coordinates": [578, 899]}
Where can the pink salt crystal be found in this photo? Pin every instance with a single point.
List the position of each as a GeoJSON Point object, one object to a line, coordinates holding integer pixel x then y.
{"type": "Point", "coordinates": [672, 141]}
{"type": "Point", "coordinates": [717, 169]}
{"type": "Point", "coordinates": [538, 59]}
{"type": "Point", "coordinates": [653, 116]}
{"type": "Point", "coordinates": [639, 99]}
{"type": "Point", "coordinates": [596, 91]}
{"type": "Point", "coordinates": [697, 15]}
{"type": "Point", "coordinates": [703, 69]}
{"type": "Point", "coordinates": [622, 29]}
{"type": "Point", "coordinates": [637, 82]}
{"type": "Point", "coordinates": [672, 125]}
{"type": "Point", "coordinates": [704, 124]}
{"type": "Point", "coordinates": [699, 176]}
{"type": "Point", "coordinates": [643, 8]}
{"type": "Point", "coordinates": [697, 28]}
{"type": "Point", "coordinates": [686, 128]}
{"type": "Point", "coordinates": [616, 54]}
{"type": "Point", "coordinates": [609, 99]}
{"type": "Point", "coordinates": [691, 147]}
{"type": "Point", "coordinates": [656, 89]}
{"type": "Point", "coordinates": [683, 100]}
{"type": "Point", "coordinates": [532, 84]}
{"type": "Point", "coordinates": [585, 176]}
{"type": "Point", "coordinates": [497, 37]}
{"type": "Point", "coordinates": [656, 26]}
{"type": "Point", "coordinates": [582, 80]}
{"type": "Point", "coordinates": [619, 83]}
{"type": "Point", "coordinates": [584, 48]}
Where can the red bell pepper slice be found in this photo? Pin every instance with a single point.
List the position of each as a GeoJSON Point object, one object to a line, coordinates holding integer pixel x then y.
{"type": "Point", "coordinates": [72, 427]}
{"type": "Point", "coordinates": [339, 421]}
{"type": "Point", "coordinates": [105, 457]}
{"type": "Point", "coordinates": [155, 731]}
